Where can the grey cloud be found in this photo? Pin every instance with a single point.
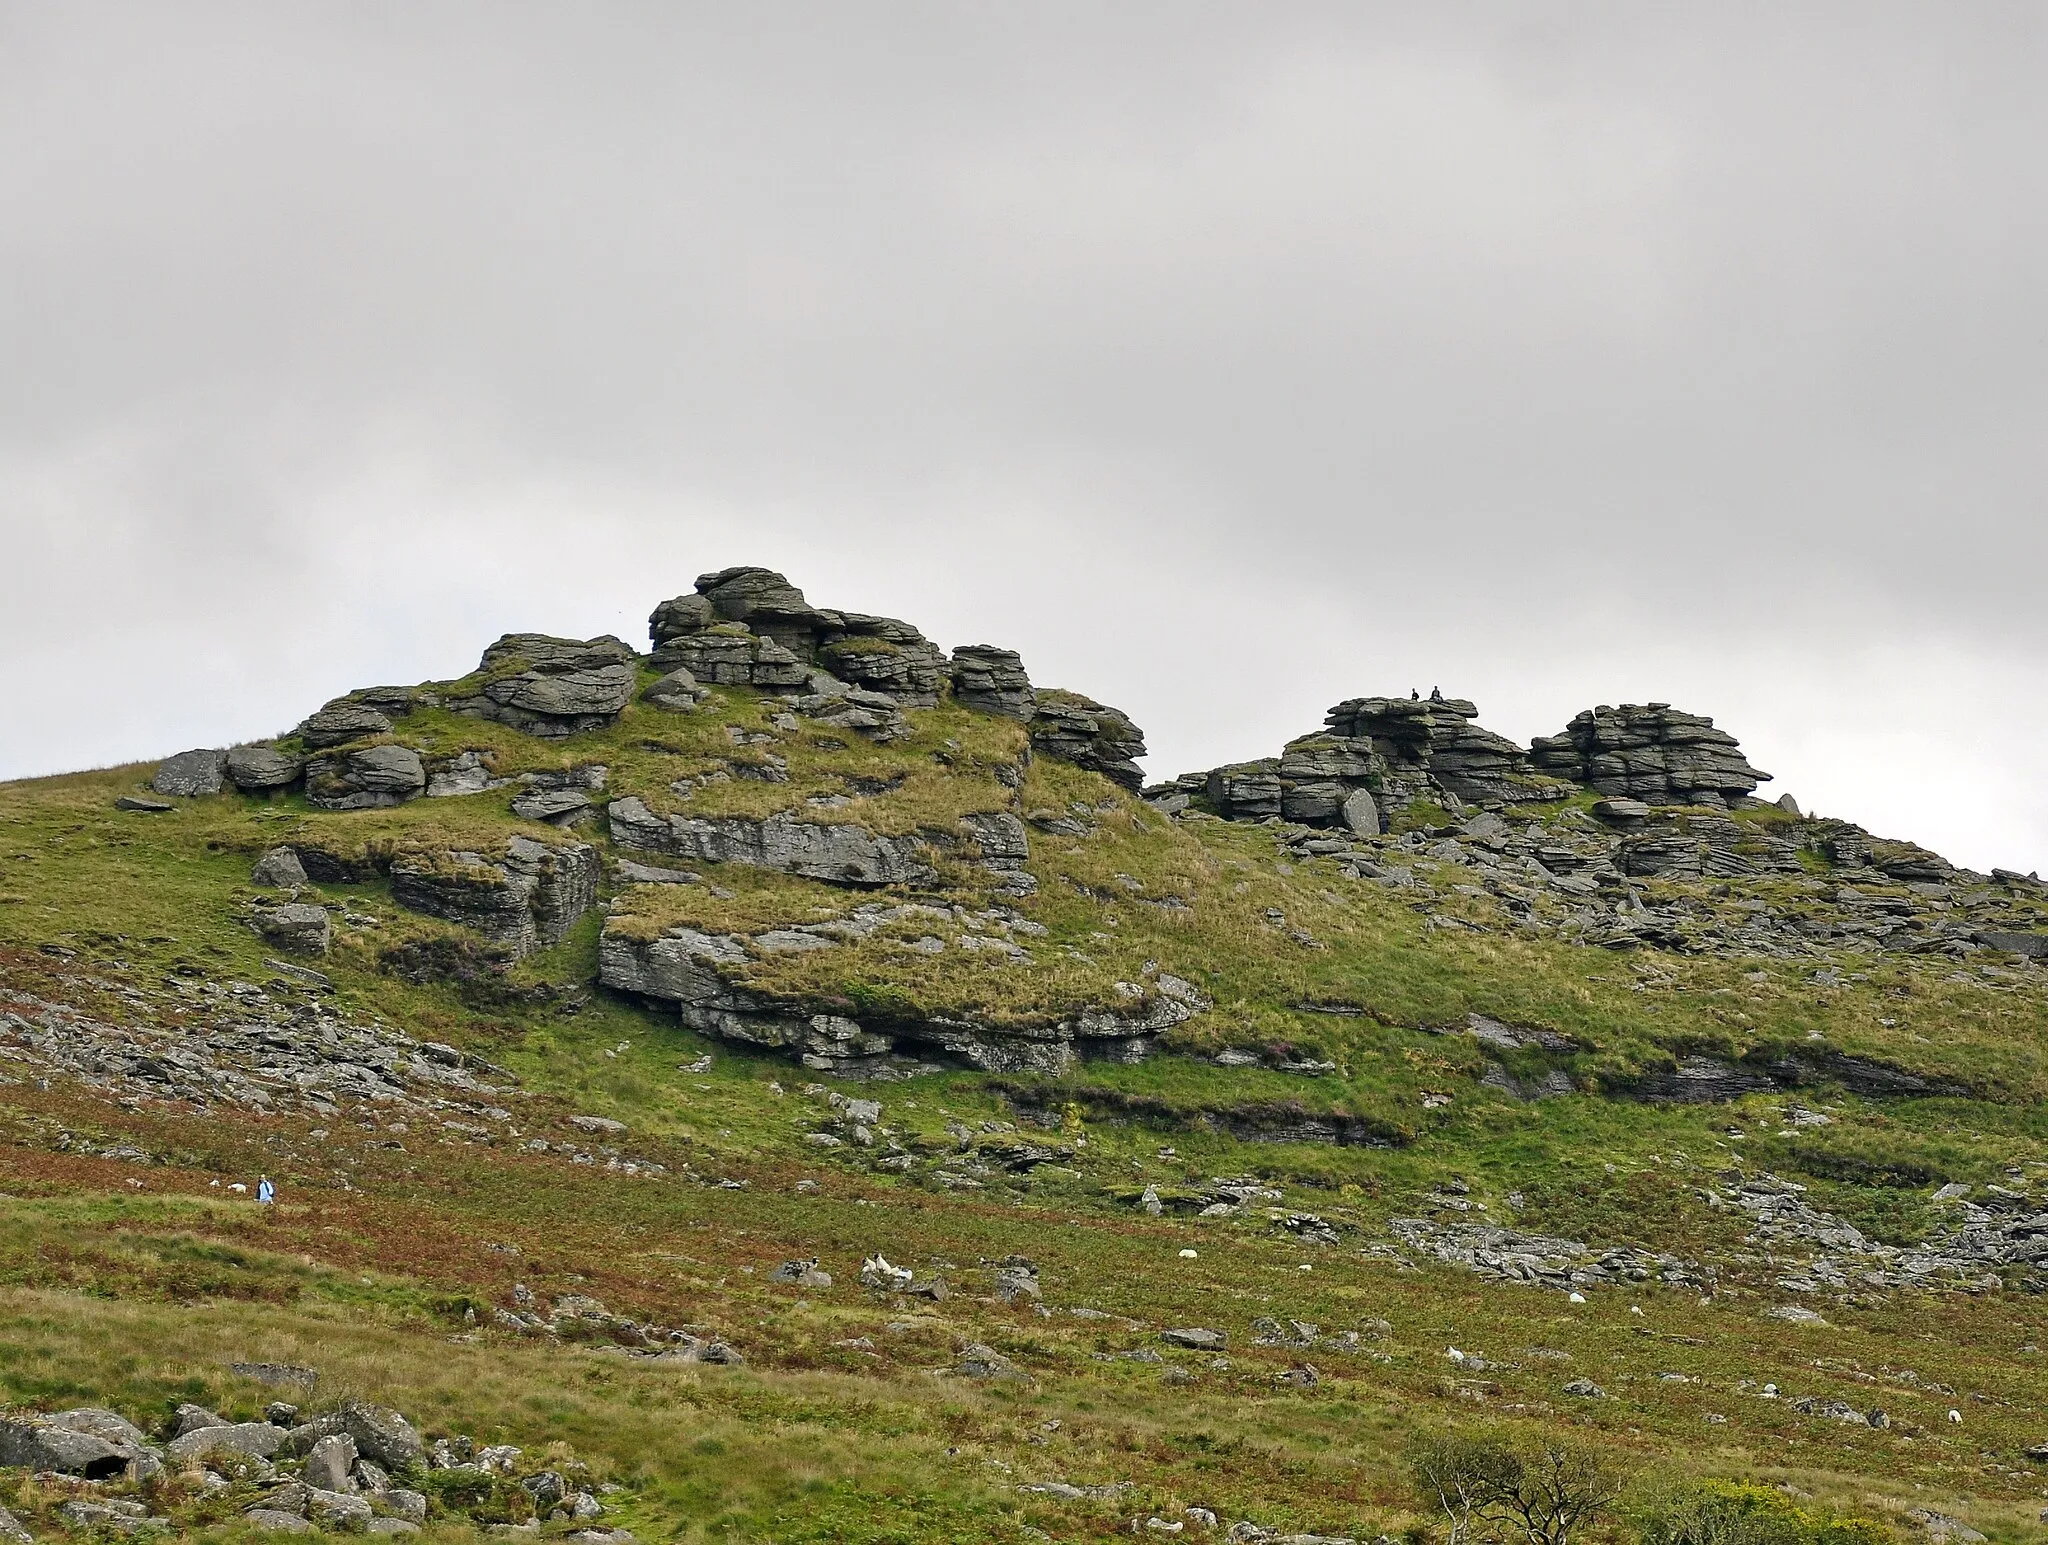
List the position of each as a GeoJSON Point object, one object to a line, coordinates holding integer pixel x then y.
{"type": "Point", "coordinates": [1227, 360]}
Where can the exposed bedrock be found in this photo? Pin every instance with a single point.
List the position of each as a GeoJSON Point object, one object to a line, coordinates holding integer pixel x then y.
{"type": "Point", "coordinates": [698, 975]}
{"type": "Point", "coordinates": [526, 897]}
{"type": "Point", "coordinates": [841, 853]}
{"type": "Point", "coordinates": [553, 687]}
{"type": "Point", "coordinates": [1652, 752]}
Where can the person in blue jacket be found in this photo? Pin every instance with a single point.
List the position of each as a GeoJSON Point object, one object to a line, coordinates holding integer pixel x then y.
{"type": "Point", "coordinates": [265, 1191]}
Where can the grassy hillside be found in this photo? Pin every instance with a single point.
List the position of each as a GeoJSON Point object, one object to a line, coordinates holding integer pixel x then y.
{"type": "Point", "coordinates": [1351, 1094]}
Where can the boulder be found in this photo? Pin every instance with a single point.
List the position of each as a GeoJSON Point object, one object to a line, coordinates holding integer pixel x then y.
{"type": "Point", "coordinates": [464, 773]}
{"type": "Point", "coordinates": [279, 869]}
{"type": "Point", "coordinates": [1196, 1338]}
{"type": "Point", "coordinates": [298, 928]}
{"type": "Point", "coordinates": [365, 778]}
{"type": "Point", "coordinates": [259, 1440]}
{"type": "Point", "coordinates": [144, 804]}
{"type": "Point", "coordinates": [382, 1435]}
{"type": "Point", "coordinates": [337, 1510]}
{"type": "Point", "coordinates": [276, 1374]}
{"type": "Point", "coordinates": [526, 897]}
{"type": "Point", "coordinates": [259, 769]}
{"type": "Point", "coordinates": [553, 687]}
{"type": "Point", "coordinates": [1359, 814]}
{"type": "Point", "coordinates": [677, 691]}
{"type": "Point", "coordinates": [190, 1418]}
{"type": "Point", "coordinates": [276, 1521]}
{"type": "Point", "coordinates": [679, 618]}
{"type": "Point", "coordinates": [1082, 731]}
{"type": "Point", "coordinates": [1652, 752]}
{"type": "Point", "coordinates": [330, 1461]}
{"type": "Point", "coordinates": [557, 806]}
{"type": "Point", "coordinates": [340, 722]}
{"type": "Point", "coordinates": [13, 1531]}
{"type": "Point", "coordinates": [992, 680]}
{"type": "Point", "coordinates": [190, 774]}
{"type": "Point", "coordinates": [37, 1443]}
{"type": "Point", "coordinates": [766, 602]}
{"type": "Point", "coordinates": [802, 1274]}
{"type": "Point", "coordinates": [400, 1503]}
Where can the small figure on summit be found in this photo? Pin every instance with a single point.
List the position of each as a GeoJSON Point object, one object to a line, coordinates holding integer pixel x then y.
{"type": "Point", "coordinates": [1436, 694]}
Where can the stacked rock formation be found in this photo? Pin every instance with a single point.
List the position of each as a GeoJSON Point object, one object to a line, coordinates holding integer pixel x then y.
{"type": "Point", "coordinates": [1376, 755]}
{"type": "Point", "coordinates": [742, 627]}
{"type": "Point", "coordinates": [1651, 752]}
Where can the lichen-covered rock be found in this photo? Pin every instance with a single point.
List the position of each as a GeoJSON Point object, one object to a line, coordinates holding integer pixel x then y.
{"type": "Point", "coordinates": [260, 1440]}
{"type": "Point", "coordinates": [298, 928]}
{"type": "Point", "coordinates": [729, 655]}
{"type": "Point", "coordinates": [678, 691]}
{"type": "Point", "coordinates": [839, 852]}
{"type": "Point", "coordinates": [191, 774]}
{"type": "Point", "coordinates": [1428, 747]}
{"type": "Point", "coordinates": [700, 975]}
{"type": "Point", "coordinates": [992, 680]}
{"type": "Point", "coordinates": [766, 602]}
{"type": "Point", "coordinates": [526, 898]}
{"type": "Point", "coordinates": [39, 1443]}
{"type": "Point", "coordinates": [553, 687]}
{"type": "Point", "coordinates": [279, 869]}
{"type": "Point", "coordinates": [365, 778]}
{"type": "Point", "coordinates": [1082, 731]}
{"type": "Point", "coordinates": [258, 769]}
{"type": "Point", "coordinates": [884, 655]}
{"type": "Point", "coordinates": [341, 721]}
{"type": "Point", "coordinates": [1246, 791]}
{"type": "Point", "coordinates": [1652, 752]}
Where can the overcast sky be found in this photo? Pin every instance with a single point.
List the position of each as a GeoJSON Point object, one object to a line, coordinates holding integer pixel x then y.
{"type": "Point", "coordinates": [1226, 360]}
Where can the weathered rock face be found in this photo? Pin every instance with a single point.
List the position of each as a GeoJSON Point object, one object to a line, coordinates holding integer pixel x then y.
{"type": "Point", "coordinates": [341, 721]}
{"type": "Point", "coordinates": [365, 778]}
{"type": "Point", "coordinates": [992, 680]}
{"type": "Point", "coordinates": [298, 928]}
{"type": "Point", "coordinates": [842, 853]}
{"type": "Point", "coordinates": [700, 975]}
{"type": "Point", "coordinates": [525, 898]}
{"type": "Point", "coordinates": [884, 655]}
{"type": "Point", "coordinates": [44, 1443]}
{"type": "Point", "coordinates": [1652, 752]}
{"type": "Point", "coordinates": [553, 687]}
{"type": "Point", "coordinates": [1082, 731]}
{"type": "Point", "coordinates": [1430, 747]}
{"type": "Point", "coordinates": [190, 774]}
{"type": "Point", "coordinates": [259, 769]}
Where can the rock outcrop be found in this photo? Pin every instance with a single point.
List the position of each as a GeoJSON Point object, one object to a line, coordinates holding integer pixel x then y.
{"type": "Point", "coordinates": [365, 777]}
{"type": "Point", "coordinates": [841, 853]}
{"type": "Point", "coordinates": [1652, 752]}
{"type": "Point", "coordinates": [191, 774]}
{"type": "Point", "coordinates": [525, 898]}
{"type": "Point", "coordinates": [553, 687]}
{"type": "Point", "coordinates": [1082, 731]}
{"type": "Point", "coordinates": [702, 977]}
{"type": "Point", "coordinates": [1431, 747]}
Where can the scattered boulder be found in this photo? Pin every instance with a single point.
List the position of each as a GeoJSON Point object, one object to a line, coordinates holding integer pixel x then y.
{"type": "Point", "coordinates": [978, 1360]}
{"type": "Point", "coordinates": [190, 1418]}
{"type": "Point", "coordinates": [298, 928]}
{"type": "Point", "coordinates": [329, 1463]}
{"type": "Point", "coordinates": [258, 769]}
{"type": "Point", "coordinates": [1017, 1280]}
{"type": "Point", "coordinates": [382, 1435]}
{"type": "Point", "coordinates": [276, 1521]}
{"type": "Point", "coordinates": [260, 1440]}
{"type": "Point", "coordinates": [144, 804]}
{"type": "Point", "coordinates": [802, 1274]}
{"type": "Point", "coordinates": [191, 774]}
{"type": "Point", "coordinates": [276, 1374]}
{"type": "Point", "coordinates": [12, 1529]}
{"type": "Point", "coordinates": [678, 690]}
{"type": "Point", "coordinates": [1196, 1338]}
{"type": "Point", "coordinates": [279, 869]}
{"type": "Point", "coordinates": [38, 1443]}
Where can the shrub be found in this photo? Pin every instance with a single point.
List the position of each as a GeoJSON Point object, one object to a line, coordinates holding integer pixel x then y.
{"type": "Point", "coordinates": [1690, 1512]}
{"type": "Point", "coordinates": [1487, 1491]}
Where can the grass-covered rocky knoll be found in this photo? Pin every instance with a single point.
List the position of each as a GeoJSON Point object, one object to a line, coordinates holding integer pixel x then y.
{"type": "Point", "coordinates": [1376, 1069]}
